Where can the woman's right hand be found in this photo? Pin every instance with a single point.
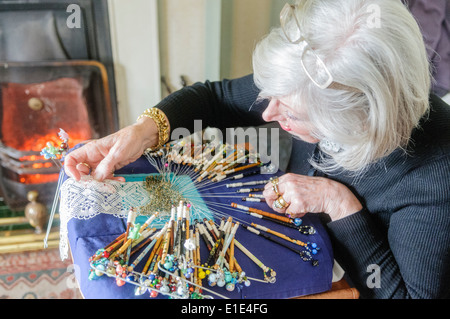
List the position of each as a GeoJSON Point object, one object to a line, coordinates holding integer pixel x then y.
{"type": "Point", "coordinates": [103, 156]}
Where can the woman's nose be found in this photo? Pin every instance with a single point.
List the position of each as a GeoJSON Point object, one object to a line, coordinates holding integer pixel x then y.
{"type": "Point", "coordinates": [272, 112]}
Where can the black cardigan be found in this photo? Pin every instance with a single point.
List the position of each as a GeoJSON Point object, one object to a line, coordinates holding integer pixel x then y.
{"type": "Point", "coordinates": [402, 235]}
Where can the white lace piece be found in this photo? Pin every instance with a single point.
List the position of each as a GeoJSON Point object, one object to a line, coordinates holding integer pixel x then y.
{"type": "Point", "coordinates": [88, 198]}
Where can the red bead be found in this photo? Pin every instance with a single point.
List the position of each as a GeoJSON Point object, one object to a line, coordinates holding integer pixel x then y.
{"type": "Point", "coordinates": [120, 283]}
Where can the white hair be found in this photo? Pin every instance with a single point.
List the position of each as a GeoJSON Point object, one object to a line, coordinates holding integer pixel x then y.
{"type": "Point", "coordinates": [386, 61]}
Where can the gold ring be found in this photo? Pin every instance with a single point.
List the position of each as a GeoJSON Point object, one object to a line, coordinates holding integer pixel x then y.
{"type": "Point", "coordinates": [276, 204]}
{"type": "Point", "coordinates": [86, 164]}
{"type": "Point", "coordinates": [274, 180]}
{"type": "Point", "coordinates": [275, 189]}
{"type": "Point", "coordinates": [280, 203]}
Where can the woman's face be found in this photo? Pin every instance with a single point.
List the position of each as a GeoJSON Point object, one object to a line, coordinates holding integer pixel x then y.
{"type": "Point", "coordinates": [295, 123]}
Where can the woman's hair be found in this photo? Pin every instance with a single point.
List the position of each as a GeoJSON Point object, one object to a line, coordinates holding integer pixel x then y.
{"type": "Point", "coordinates": [374, 46]}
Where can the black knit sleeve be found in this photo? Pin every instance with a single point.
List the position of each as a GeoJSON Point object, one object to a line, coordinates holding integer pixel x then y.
{"type": "Point", "coordinates": [413, 259]}
{"type": "Point", "coordinates": [221, 104]}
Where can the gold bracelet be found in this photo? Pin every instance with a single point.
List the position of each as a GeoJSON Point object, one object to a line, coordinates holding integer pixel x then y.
{"type": "Point", "coordinates": [163, 127]}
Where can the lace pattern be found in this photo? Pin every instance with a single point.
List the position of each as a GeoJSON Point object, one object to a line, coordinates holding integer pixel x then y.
{"type": "Point", "coordinates": [88, 198]}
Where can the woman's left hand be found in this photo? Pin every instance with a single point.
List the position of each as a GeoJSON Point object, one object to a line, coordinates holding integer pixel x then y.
{"type": "Point", "coordinates": [305, 194]}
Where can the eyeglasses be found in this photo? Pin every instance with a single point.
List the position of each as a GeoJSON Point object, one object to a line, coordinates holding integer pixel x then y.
{"type": "Point", "coordinates": [317, 71]}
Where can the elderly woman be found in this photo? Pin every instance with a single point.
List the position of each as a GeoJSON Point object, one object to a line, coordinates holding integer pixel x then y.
{"type": "Point", "coordinates": [351, 82]}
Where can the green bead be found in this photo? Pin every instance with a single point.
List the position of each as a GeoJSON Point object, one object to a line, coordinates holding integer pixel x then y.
{"type": "Point", "coordinates": [92, 275]}
{"type": "Point", "coordinates": [228, 278]}
{"type": "Point", "coordinates": [168, 264]}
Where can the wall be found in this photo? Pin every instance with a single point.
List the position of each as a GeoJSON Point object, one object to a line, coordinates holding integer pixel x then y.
{"type": "Point", "coordinates": [211, 39]}
{"type": "Point", "coordinates": [134, 36]}
{"type": "Point", "coordinates": [182, 28]}
{"type": "Point", "coordinates": [198, 39]}
{"type": "Point", "coordinates": [244, 23]}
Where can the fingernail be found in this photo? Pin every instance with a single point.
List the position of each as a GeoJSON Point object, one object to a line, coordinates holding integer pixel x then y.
{"type": "Point", "coordinates": [98, 174]}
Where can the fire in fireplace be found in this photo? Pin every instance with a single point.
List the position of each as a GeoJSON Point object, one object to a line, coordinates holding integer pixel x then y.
{"type": "Point", "coordinates": [71, 95]}
{"type": "Point", "coordinates": [52, 76]}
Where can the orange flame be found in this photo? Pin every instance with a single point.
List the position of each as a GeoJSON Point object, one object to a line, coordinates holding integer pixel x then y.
{"type": "Point", "coordinates": [38, 178]}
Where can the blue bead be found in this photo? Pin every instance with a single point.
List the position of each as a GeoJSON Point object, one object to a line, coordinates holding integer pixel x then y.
{"type": "Point", "coordinates": [298, 221]}
{"type": "Point", "coordinates": [314, 245]}
{"type": "Point", "coordinates": [314, 251]}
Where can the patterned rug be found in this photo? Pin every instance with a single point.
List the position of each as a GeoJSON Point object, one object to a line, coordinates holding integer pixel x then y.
{"type": "Point", "coordinates": [37, 275]}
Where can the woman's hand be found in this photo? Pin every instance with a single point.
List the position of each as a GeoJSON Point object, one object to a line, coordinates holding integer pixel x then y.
{"type": "Point", "coordinates": [103, 156]}
{"type": "Point", "coordinates": [306, 194]}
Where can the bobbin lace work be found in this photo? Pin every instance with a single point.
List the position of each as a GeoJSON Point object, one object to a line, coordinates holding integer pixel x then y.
{"type": "Point", "coordinates": [88, 198]}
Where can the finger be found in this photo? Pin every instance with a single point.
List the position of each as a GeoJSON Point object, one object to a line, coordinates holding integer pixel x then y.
{"type": "Point", "coordinates": [294, 214]}
{"type": "Point", "coordinates": [117, 178]}
{"type": "Point", "coordinates": [74, 158]}
{"type": "Point", "coordinates": [71, 162]}
{"type": "Point", "coordinates": [279, 205]}
{"type": "Point", "coordinates": [298, 206]}
{"type": "Point", "coordinates": [278, 210]}
{"type": "Point", "coordinates": [269, 194]}
{"type": "Point", "coordinates": [270, 184]}
{"type": "Point", "coordinates": [106, 166]}
{"type": "Point", "coordinates": [273, 191]}
{"type": "Point", "coordinates": [273, 181]}
{"type": "Point", "coordinates": [83, 168]}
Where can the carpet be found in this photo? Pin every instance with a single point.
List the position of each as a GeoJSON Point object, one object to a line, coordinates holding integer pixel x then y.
{"type": "Point", "coordinates": [37, 275]}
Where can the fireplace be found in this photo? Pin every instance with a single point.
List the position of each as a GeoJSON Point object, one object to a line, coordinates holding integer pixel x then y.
{"type": "Point", "coordinates": [53, 75]}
